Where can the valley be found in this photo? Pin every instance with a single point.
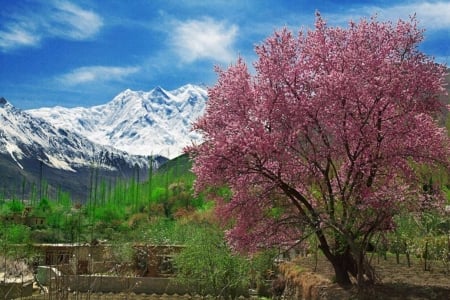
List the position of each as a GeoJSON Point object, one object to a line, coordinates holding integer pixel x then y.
{"type": "Point", "coordinates": [79, 179]}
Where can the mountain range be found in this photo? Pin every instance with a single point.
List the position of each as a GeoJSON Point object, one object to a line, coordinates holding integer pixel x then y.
{"type": "Point", "coordinates": [157, 122]}
{"type": "Point", "coordinates": [63, 145]}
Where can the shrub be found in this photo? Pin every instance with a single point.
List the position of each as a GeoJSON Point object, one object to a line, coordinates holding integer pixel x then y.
{"type": "Point", "coordinates": [15, 206]}
{"type": "Point", "coordinates": [15, 234]}
{"type": "Point", "coordinates": [208, 266]}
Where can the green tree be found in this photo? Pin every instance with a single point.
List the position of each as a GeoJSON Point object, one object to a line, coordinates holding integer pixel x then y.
{"type": "Point", "coordinates": [208, 266]}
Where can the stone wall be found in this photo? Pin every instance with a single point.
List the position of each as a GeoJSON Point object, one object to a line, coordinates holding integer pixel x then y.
{"type": "Point", "coordinates": [303, 284]}
{"type": "Point", "coordinates": [113, 284]}
{"type": "Point", "coordinates": [13, 290]}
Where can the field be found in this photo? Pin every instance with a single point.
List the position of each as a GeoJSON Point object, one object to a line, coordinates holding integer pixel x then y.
{"type": "Point", "coordinates": [398, 281]}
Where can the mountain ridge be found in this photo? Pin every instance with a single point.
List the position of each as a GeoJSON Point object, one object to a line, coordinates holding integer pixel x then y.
{"type": "Point", "coordinates": [28, 145]}
{"type": "Point", "coordinates": [155, 122]}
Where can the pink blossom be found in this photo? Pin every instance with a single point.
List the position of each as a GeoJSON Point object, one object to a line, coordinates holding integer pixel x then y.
{"type": "Point", "coordinates": [324, 133]}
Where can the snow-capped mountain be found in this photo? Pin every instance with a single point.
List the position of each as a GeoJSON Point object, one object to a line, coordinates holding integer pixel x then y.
{"type": "Point", "coordinates": [23, 135]}
{"type": "Point", "coordinates": [29, 144]}
{"type": "Point", "coordinates": [143, 123]}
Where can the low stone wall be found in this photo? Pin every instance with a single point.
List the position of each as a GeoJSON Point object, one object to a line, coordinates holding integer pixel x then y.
{"type": "Point", "coordinates": [121, 296]}
{"type": "Point", "coordinates": [13, 290]}
{"type": "Point", "coordinates": [113, 284]}
{"type": "Point", "coordinates": [300, 283]}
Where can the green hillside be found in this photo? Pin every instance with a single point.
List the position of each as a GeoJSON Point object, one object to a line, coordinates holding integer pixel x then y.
{"type": "Point", "coordinates": [115, 207]}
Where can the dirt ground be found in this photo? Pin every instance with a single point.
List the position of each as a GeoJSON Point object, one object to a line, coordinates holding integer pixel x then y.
{"type": "Point", "coordinates": [398, 281]}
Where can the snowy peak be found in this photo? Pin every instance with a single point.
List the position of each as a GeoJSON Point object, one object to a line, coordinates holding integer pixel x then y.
{"type": "Point", "coordinates": [3, 101]}
{"type": "Point", "coordinates": [24, 136]}
{"type": "Point", "coordinates": [159, 95]}
{"type": "Point", "coordinates": [32, 150]}
{"type": "Point", "coordinates": [156, 122]}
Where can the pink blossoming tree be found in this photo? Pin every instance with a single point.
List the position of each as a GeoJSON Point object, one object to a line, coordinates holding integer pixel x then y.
{"type": "Point", "coordinates": [323, 138]}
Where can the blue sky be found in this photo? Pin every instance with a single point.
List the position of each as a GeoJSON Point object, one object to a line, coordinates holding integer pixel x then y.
{"type": "Point", "coordinates": [84, 52]}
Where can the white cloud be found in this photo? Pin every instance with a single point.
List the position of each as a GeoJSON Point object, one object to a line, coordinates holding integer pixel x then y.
{"type": "Point", "coordinates": [70, 21]}
{"type": "Point", "coordinates": [204, 39]}
{"type": "Point", "coordinates": [60, 19]}
{"type": "Point", "coordinates": [91, 74]}
{"type": "Point", "coordinates": [17, 36]}
{"type": "Point", "coordinates": [432, 15]}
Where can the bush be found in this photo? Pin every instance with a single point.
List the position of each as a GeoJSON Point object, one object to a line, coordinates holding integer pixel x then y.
{"type": "Point", "coordinates": [109, 213]}
{"type": "Point", "coordinates": [15, 206]}
{"type": "Point", "coordinates": [46, 236]}
{"type": "Point", "coordinates": [15, 234]}
{"type": "Point", "coordinates": [208, 266]}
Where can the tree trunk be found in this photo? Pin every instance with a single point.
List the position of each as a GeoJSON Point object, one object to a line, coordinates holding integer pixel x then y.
{"type": "Point", "coordinates": [344, 265]}
{"type": "Point", "coordinates": [341, 273]}
{"type": "Point", "coordinates": [360, 268]}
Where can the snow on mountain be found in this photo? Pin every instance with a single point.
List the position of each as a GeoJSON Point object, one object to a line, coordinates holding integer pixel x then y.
{"type": "Point", "coordinates": [23, 136]}
{"type": "Point", "coordinates": [157, 122]}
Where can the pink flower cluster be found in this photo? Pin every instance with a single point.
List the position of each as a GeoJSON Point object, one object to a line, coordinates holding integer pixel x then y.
{"type": "Point", "coordinates": [325, 134]}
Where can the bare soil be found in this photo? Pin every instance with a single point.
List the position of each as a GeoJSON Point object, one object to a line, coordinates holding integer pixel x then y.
{"type": "Point", "coordinates": [397, 281]}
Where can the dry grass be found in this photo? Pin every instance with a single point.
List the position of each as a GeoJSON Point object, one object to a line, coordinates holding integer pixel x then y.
{"type": "Point", "coordinates": [398, 281]}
